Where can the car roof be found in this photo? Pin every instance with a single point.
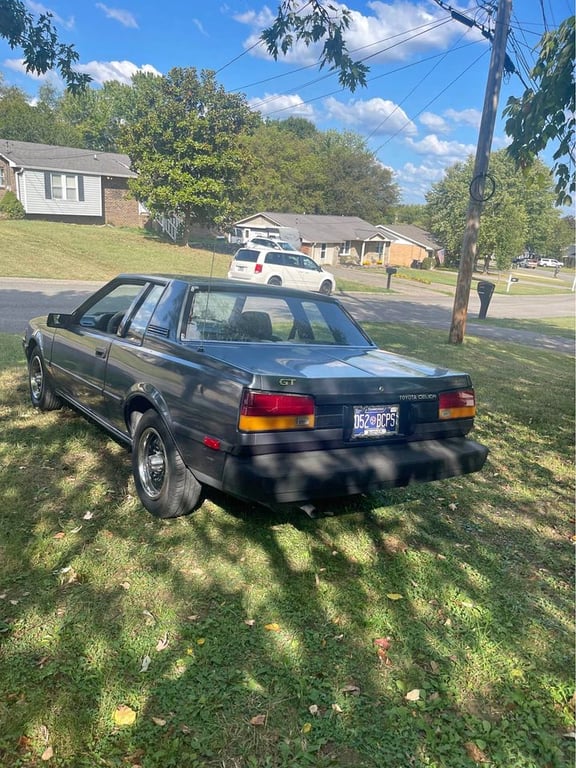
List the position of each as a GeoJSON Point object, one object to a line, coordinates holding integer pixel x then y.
{"type": "Point", "coordinates": [223, 284]}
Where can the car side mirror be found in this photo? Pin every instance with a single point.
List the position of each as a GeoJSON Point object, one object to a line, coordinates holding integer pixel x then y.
{"type": "Point", "coordinates": [58, 320]}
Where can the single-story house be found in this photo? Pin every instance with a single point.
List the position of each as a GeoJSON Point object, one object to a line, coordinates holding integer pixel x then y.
{"type": "Point", "coordinates": [407, 243]}
{"type": "Point", "coordinates": [327, 239]}
{"type": "Point", "coordinates": [80, 186]}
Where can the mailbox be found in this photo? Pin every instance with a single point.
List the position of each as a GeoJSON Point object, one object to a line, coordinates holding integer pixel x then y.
{"type": "Point", "coordinates": [485, 290]}
{"type": "Point", "coordinates": [390, 271]}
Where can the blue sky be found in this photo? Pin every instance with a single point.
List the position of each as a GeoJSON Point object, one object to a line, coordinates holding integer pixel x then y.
{"type": "Point", "coordinates": [419, 113]}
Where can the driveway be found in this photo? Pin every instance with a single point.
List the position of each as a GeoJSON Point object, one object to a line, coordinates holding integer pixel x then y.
{"type": "Point", "coordinates": [22, 298]}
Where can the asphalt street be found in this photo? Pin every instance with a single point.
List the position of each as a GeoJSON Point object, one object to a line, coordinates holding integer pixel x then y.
{"type": "Point", "coordinates": [22, 298]}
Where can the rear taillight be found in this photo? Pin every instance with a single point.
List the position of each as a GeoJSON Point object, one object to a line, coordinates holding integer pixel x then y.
{"type": "Point", "coordinates": [266, 411]}
{"type": "Point", "coordinates": [460, 404]}
{"type": "Point", "coordinates": [258, 268]}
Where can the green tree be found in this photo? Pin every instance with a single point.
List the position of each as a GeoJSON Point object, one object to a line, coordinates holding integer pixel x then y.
{"type": "Point", "coordinates": [22, 121]}
{"type": "Point", "coordinates": [546, 113]}
{"type": "Point", "coordinates": [520, 212]}
{"type": "Point", "coordinates": [38, 40]}
{"type": "Point", "coordinates": [184, 142]}
{"type": "Point", "coordinates": [408, 213]}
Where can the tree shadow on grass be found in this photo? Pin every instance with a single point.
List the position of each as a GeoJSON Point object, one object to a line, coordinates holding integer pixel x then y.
{"type": "Point", "coordinates": [260, 628]}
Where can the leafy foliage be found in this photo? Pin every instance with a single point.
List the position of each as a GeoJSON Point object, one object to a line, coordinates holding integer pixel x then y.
{"type": "Point", "coordinates": [520, 214]}
{"type": "Point", "coordinates": [11, 207]}
{"type": "Point", "coordinates": [322, 22]}
{"type": "Point", "coordinates": [546, 113]}
{"type": "Point", "coordinates": [38, 39]}
{"type": "Point", "coordinates": [184, 142]}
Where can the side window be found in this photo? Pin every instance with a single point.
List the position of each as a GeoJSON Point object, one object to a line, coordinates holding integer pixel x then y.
{"type": "Point", "coordinates": [274, 257]}
{"type": "Point", "coordinates": [309, 264]}
{"type": "Point", "coordinates": [291, 260]}
{"type": "Point", "coordinates": [139, 322]}
{"type": "Point", "coordinates": [108, 310]}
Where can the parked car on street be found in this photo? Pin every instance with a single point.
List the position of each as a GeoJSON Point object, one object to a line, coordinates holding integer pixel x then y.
{"type": "Point", "coordinates": [269, 242]}
{"type": "Point", "coordinates": [528, 263]}
{"type": "Point", "coordinates": [272, 395]}
{"type": "Point", "coordinates": [549, 263]}
{"type": "Point", "coordinates": [289, 268]}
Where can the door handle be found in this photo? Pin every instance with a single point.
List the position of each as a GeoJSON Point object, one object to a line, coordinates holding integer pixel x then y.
{"type": "Point", "coordinates": [101, 352]}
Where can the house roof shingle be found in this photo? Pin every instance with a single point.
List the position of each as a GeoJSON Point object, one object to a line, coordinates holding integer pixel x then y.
{"type": "Point", "coordinates": [318, 229]}
{"type": "Point", "coordinates": [48, 157]}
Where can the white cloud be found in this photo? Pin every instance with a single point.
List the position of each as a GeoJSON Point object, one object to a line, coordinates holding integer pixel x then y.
{"type": "Point", "coordinates": [40, 9]}
{"type": "Point", "coordinates": [434, 122]}
{"type": "Point", "coordinates": [470, 117]}
{"type": "Point", "coordinates": [415, 180]}
{"type": "Point", "coordinates": [18, 65]}
{"type": "Point", "coordinates": [122, 71]}
{"type": "Point", "coordinates": [386, 32]}
{"type": "Point", "coordinates": [378, 117]}
{"type": "Point", "coordinates": [125, 18]}
{"type": "Point", "coordinates": [450, 151]}
{"type": "Point", "coordinates": [200, 27]}
{"type": "Point", "coordinates": [282, 105]}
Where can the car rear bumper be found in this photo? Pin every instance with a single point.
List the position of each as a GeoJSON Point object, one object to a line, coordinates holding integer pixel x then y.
{"type": "Point", "coordinates": [300, 477]}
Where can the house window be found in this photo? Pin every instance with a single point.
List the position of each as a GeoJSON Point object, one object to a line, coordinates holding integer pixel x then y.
{"type": "Point", "coordinates": [2, 177]}
{"type": "Point", "coordinates": [380, 249]}
{"type": "Point", "coordinates": [64, 186]}
{"type": "Point", "coordinates": [345, 251]}
{"type": "Point", "coordinates": [322, 251]}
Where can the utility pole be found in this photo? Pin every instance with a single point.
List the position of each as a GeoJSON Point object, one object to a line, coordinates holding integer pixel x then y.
{"type": "Point", "coordinates": [478, 183]}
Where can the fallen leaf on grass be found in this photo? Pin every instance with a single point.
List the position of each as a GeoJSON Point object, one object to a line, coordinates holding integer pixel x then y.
{"type": "Point", "coordinates": [475, 753]}
{"type": "Point", "coordinates": [337, 708]}
{"type": "Point", "coordinates": [145, 663]}
{"type": "Point", "coordinates": [249, 622]}
{"type": "Point", "coordinates": [258, 720]}
{"type": "Point", "coordinates": [59, 535]}
{"type": "Point", "coordinates": [162, 644]}
{"type": "Point", "coordinates": [48, 754]}
{"type": "Point", "coordinates": [158, 721]}
{"type": "Point", "coordinates": [150, 620]}
{"type": "Point", "coordinates": [307, 727]}
{"type": "Point", "coordinates": [394, 596]}
{"type": "Point", "coordinates": [124, 715]}
{"type": "Point", "coordinates": [272, 627]}
{"type": "Point", "coordinates": [313, 709]}
{"type": "Point", "coordinates": [201, 641]}
{"type": "Point", "coordinates": [413, 695]}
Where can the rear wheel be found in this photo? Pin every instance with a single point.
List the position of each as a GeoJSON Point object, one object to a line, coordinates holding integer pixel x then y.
{"type": "Point", "coordinates": [274, 281]}
{"type": "Point", "coordinates": [165, 485]}
{"type": "Point", "coordinates": [42, 394]}
{"type": "Point", "coordinates": [326, 288]}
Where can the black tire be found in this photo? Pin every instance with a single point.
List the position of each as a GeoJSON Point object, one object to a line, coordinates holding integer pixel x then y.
{"type": "Point", "coordinates": [42, 394]}
{"type": "Point", "coordinates": [274, 281]}
{"type": "Point", "coordinates": [164, 484]}
{"type": "Point", "coordinates": [326, 288]}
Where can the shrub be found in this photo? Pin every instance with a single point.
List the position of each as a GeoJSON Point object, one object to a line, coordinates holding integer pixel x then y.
{"type": "Point", "coordinates": [11, 207]}
{"type": "Point", "coordinates": [427, 263]}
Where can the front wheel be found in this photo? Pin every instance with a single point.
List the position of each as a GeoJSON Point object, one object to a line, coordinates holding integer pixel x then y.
{"type": "Point", "coordinates": [326, 288]}
{"type": "Point", "coordinates": [164, 484]}
{"type": "Point", "coordinates": [274, 281]}
{"type": "Point", "coordinates": [42, 394]}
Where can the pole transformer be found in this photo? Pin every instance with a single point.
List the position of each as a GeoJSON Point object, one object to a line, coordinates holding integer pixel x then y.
{"type": "Point", "coordinates": [478, 183]}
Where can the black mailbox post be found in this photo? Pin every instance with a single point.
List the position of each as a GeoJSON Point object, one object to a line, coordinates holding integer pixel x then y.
{"type": "Point", "coordinates": [390, 271]}
{"type": "Point", "coordinates": [485, 290]}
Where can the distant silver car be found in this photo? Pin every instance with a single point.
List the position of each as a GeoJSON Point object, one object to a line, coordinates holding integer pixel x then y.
{"type": "Point", "coordinates": [549, 263]}
{"type": "Point", "coordinates": [289, 268]}
{"type": "Point", "coordinates": [269, 242]}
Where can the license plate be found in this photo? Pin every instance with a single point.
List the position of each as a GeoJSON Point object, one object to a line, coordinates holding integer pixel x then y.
{"type": "Point", "coordinates": [375, 421]}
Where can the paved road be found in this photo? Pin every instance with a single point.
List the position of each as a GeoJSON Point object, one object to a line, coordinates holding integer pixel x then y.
{"type": "Point", "coordinates": [22, 298]}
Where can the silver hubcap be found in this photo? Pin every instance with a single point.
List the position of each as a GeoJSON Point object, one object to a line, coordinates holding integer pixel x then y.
{"type": "Point", "coordinates": [152, 462]}
{"type": "Point", "coordinates": [36, 378]}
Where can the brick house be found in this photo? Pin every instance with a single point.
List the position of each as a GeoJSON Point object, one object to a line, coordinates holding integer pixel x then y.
{"type": "Point", "coordinates": [80, 186]}
{"type": "Point", "coordinates": [327, 239]}
{"type": "Point", "coordinates": [407, 243]}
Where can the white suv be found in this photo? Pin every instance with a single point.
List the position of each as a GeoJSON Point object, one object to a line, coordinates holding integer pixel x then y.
{"type": "Point", "coordinates": [549, 263]}
{"type": "Point", "coordinates": [290, 268]}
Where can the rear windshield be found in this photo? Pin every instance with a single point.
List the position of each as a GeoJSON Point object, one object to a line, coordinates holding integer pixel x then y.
{"type": "Point", "coordinates": [230, 316]}
{"type": "Point", "coordinates": [246, 254]}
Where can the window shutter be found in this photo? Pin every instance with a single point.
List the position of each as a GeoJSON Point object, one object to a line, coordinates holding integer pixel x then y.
{"type": "Point", "coordinates": [47, 185]}
{"type": "Point", "coordinates": [81, 188]}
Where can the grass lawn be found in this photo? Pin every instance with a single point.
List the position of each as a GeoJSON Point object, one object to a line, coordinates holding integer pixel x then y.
{"type": "Point", "coordinates": [423, 627]}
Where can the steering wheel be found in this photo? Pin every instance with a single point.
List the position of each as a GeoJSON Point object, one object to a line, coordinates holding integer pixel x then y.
{"type": "Point", "coordinates": [114, 322]}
